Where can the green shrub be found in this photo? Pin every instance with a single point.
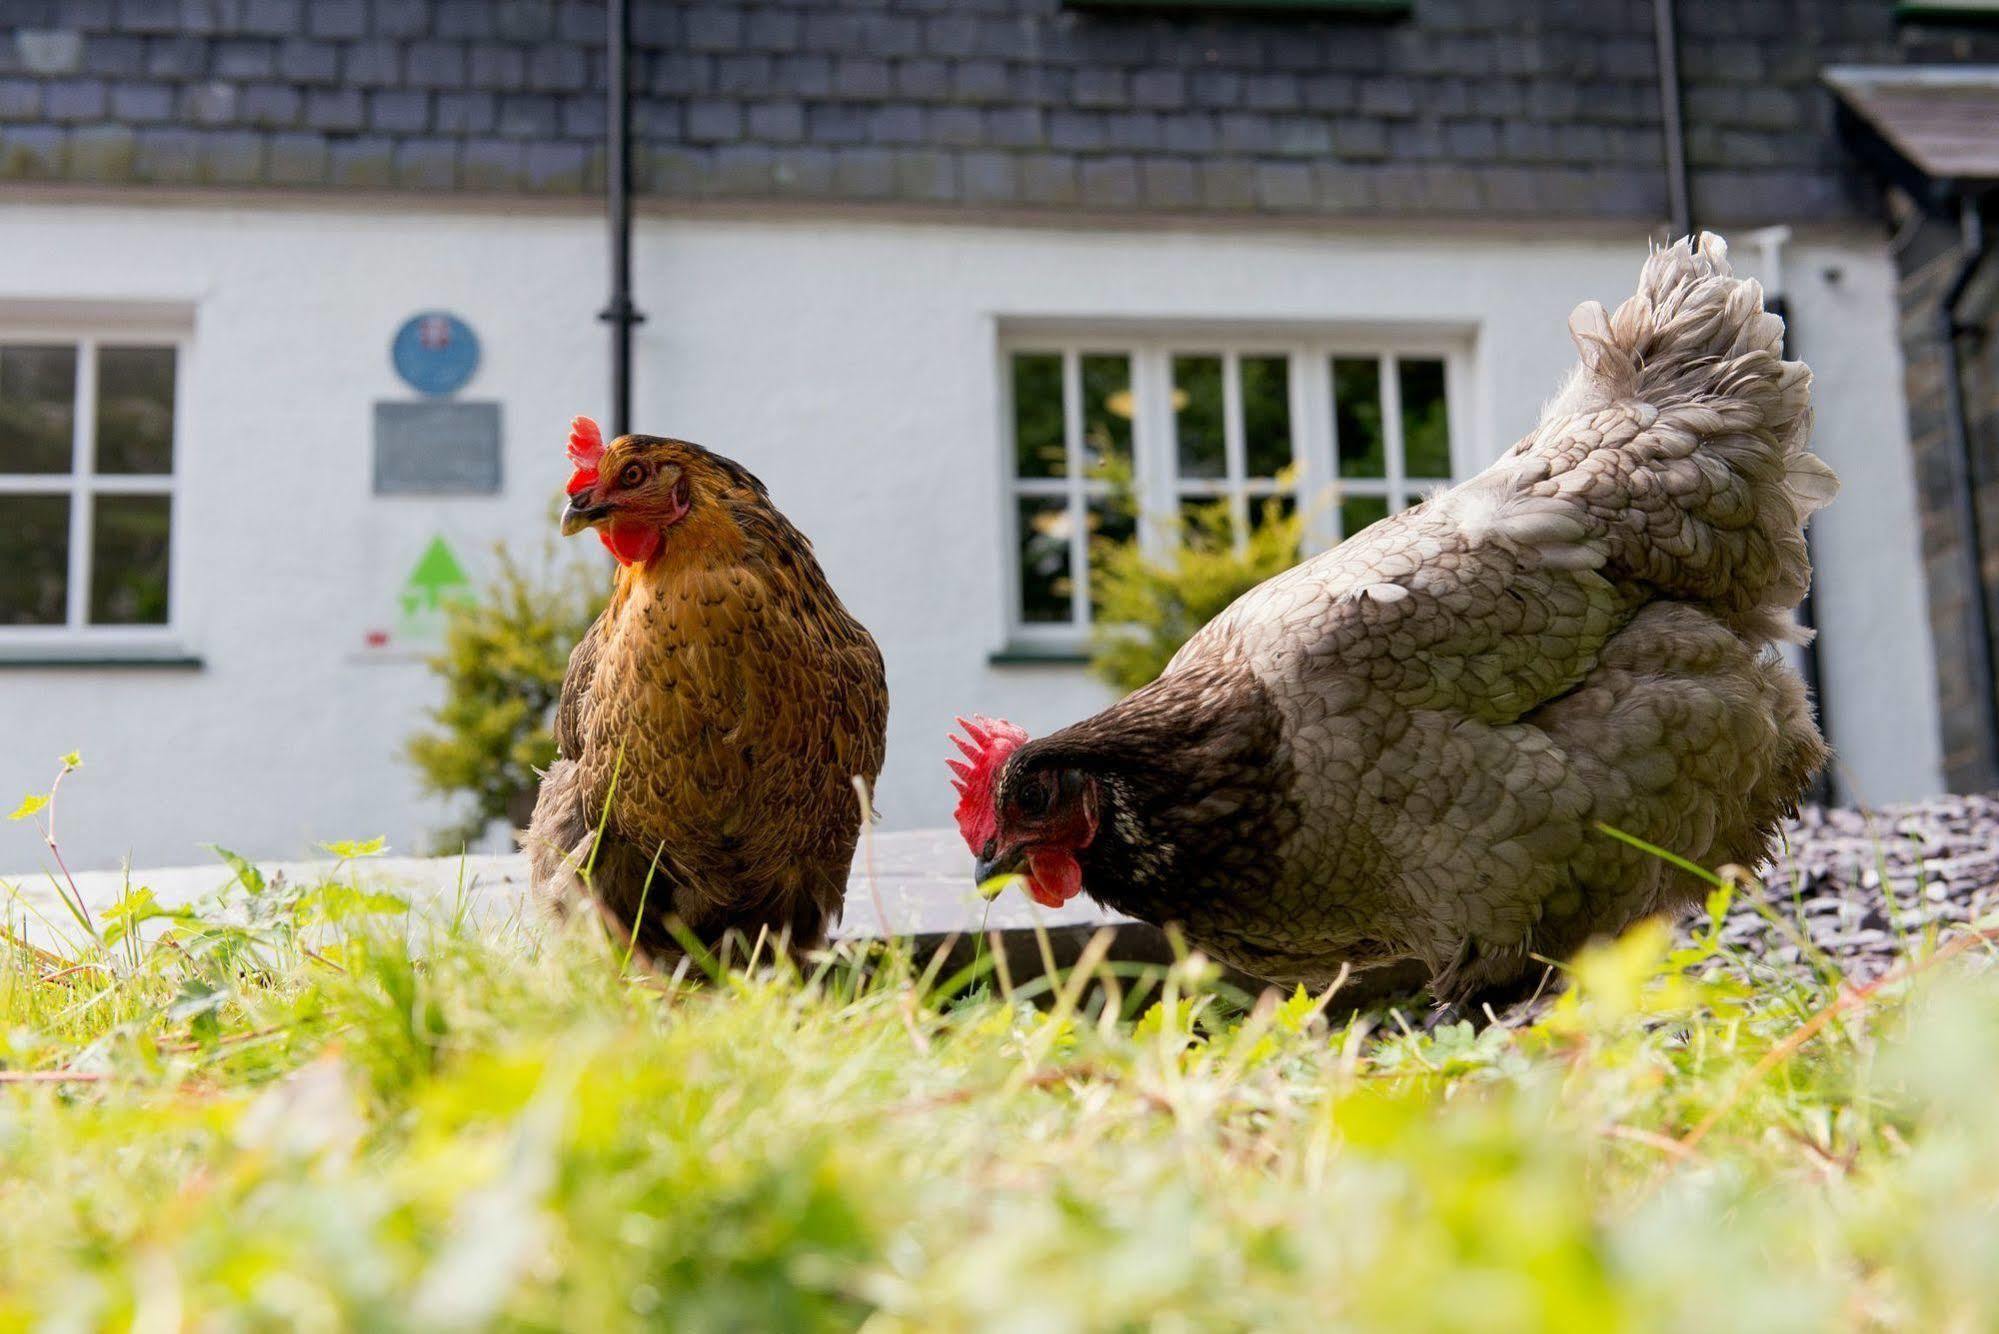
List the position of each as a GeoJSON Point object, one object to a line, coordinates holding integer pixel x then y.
{"type": "Point", "coordinates": [505, 653]}
{"type": "Point", "coordinates": [1145, 611]}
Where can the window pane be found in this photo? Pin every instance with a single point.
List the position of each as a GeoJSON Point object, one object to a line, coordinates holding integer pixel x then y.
{"type": "Point", "coordinates": [34, 560]}
{"type": "Point", "coordinates": [1357, 512]}
{"type": "Point", "coordinates": [1357, 417]}
{"type": "Point", "coordinates": [1045, 576]}
{"type": "Point", "coordinates": [1205, 522]}
{"type": "Point", "coordinates": [1426, 427]}
{"type": "Point", "coordinates": [128, 561]}
{"type": "Point", "coordinates": [135, 409]}
{"type": "Point", "coordinates": [37, 408]}
{"type": "Point", "coordinates": [1266, 415]}
{"type": "Point", "coordinates": [1107, 408]}
{"type": "Point", "coordinates": [1111, 520]}
{"type": "Point", "coordinates": [1281, 507]}
{"type": "Point", "coordinates": [1197, 416]}
{"type": "Point", "coordinates": [1037, 415]}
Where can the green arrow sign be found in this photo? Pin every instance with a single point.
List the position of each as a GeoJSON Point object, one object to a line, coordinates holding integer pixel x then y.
{"type": "Point", "coordinates": [435, 584]}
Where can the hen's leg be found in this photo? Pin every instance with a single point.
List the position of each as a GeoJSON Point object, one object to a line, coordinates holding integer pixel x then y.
{"type": "Point", "coordinates": [570, 868]}
{"type": "Point", "coordinates": [652, 898]}
{"type": "Point", "coordinates": [643, 887]}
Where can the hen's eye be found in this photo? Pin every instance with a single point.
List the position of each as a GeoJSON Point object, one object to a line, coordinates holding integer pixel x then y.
{"type": "Point", "coordinates": [1036, 797]}
{"type": "Point", "coordinates": [633, 474]}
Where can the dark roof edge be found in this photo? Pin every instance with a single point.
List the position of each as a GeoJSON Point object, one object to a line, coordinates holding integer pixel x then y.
{"type": "Point", "coordinates": [653, 207]}
{"type": "Point", "coordinates": [1878, 143]}
{"type": "Point", "coordinates": [1849, 77]}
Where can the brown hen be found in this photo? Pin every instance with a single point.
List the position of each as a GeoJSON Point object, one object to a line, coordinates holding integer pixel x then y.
{"type": "Point", "coordinates": [716, 716]}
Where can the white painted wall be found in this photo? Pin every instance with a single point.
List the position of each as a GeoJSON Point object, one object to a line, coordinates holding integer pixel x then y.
{"type": "Point", "coordinates": [1875, 647]}
{"type": "Point", "coordinates": [852, 365]}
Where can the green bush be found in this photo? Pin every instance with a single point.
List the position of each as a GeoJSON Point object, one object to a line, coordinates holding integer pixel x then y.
{"type": "Point", "coordinates": [505, 653]}
{"type": "Point", "coordinates": [1145, 611]}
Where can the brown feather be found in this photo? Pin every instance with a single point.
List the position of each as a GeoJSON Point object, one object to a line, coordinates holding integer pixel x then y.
{"type": "Point", "coordinates": [713, 722]}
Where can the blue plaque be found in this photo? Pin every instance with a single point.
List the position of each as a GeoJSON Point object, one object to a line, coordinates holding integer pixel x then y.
{"type": "Point", "coordinates": [435, 352]}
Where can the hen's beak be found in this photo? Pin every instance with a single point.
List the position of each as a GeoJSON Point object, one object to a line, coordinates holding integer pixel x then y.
{"type": "Point", "coordinates": [996, 863]}
{"type": "Point", "coordinates": [582, 512]}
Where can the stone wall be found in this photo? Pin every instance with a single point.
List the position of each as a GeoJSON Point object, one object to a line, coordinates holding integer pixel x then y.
{"type": "Point", "coordinates": [1928, 264]}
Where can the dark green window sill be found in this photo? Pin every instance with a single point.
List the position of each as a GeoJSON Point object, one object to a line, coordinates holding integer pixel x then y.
{"type": "Point", "coordinates": [1037, 655]}
{"type": "Point", "coordinates": [1387, 9]}
{"type": "Point", "coordinates": [1943, 11]}
{"type": "Point", "coordinates": [84, 659]}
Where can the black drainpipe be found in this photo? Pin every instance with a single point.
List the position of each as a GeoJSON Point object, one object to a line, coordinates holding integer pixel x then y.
{"type": "Point", "coordinates": [1811, 665]}
{"type": "Point", "coordinates": [620, 314]}
{"type": "Point", "coordinates": [1679, 187]}
{"type": "Point", "coordinates": [1822, 789]}
{"type": "Point", "coordinates": [1964, 484]}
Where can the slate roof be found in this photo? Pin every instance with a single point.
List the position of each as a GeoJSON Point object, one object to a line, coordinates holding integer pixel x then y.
{"type": "Point", "coordinates": [1527, 108]}
{"type": "Point", "coordinates": [1944, 121]}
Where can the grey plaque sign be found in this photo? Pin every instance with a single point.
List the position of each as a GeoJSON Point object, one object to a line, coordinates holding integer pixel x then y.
{"type": "Point", "coordinates": [437, 449]}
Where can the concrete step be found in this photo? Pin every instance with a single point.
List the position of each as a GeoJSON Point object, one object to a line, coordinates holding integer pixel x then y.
{"type": "Point", "coordinates": [914, 883]}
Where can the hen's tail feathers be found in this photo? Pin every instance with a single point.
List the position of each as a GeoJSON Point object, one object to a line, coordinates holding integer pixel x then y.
{"type": "Point", "coordinates": [559, 837]}
{"type": "Point", "coordinates": [1676, 457]}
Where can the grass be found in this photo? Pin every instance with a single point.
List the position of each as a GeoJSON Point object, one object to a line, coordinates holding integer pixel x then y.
{"type": "Point", "coordinates": [300, 1105]}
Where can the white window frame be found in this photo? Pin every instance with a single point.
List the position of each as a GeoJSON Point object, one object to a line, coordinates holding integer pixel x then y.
{"type": "Point", "coordinates": [1155, 458]}
{"type": "Point", "coordinates": [87, 329]}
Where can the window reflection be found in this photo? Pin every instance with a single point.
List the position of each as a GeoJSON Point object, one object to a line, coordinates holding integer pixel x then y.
{"type": "Point", "coordinates": [1426, 425]}
{"type": "Point", "coordinates": [135, 410]}
{"type": "Point", "coordinates": [1197, 416]}
{"type": "Point", "coordinates": [1037, 416]}
{"type": "Point", "coordinates": [37, 408]}
{"type": "Point", "coordinates": [1357, 417]}
{"type": "Point", "coordinates": [1266, 415]}
{"type": "Point", "coordinates": [34, 560]}
{"type": "Point", "coordinates": [128, 560]}
{"type": "Point", "coordinates": [1045, 574]}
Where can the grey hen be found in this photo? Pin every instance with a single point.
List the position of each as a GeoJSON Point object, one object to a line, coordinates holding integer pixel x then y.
{"type": "Point", "coordinates": [1403, 747]}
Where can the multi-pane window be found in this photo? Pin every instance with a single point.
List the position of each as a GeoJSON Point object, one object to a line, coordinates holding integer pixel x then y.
{"type": "Point", "coordinates": [1232, 434]}
{"type": "Point", "coordinates": [86, 485]}
{"type": "Point", "coordinates": [1103, 429]}
{"type": "Point", "coordinates": [1072, 446]}
{"type": "Point", "coordinates": [1391, 434]}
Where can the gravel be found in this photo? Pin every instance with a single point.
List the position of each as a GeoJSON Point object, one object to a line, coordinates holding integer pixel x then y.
{"type": "Point", "coordinates": [1862, 886]}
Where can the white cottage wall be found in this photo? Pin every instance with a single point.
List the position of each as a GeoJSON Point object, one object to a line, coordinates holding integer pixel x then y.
{"type": "Point", "coordinates": [852, 364]}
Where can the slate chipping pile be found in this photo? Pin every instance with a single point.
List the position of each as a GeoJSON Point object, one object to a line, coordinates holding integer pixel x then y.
{"type": "Point", "coordinates": [1858, 884]}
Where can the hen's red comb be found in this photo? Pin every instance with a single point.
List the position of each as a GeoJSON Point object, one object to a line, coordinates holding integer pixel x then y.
{"type": "Point", "coordinates": [986, 744]}
{"type": "Point", "coordinates": [586, 447]}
